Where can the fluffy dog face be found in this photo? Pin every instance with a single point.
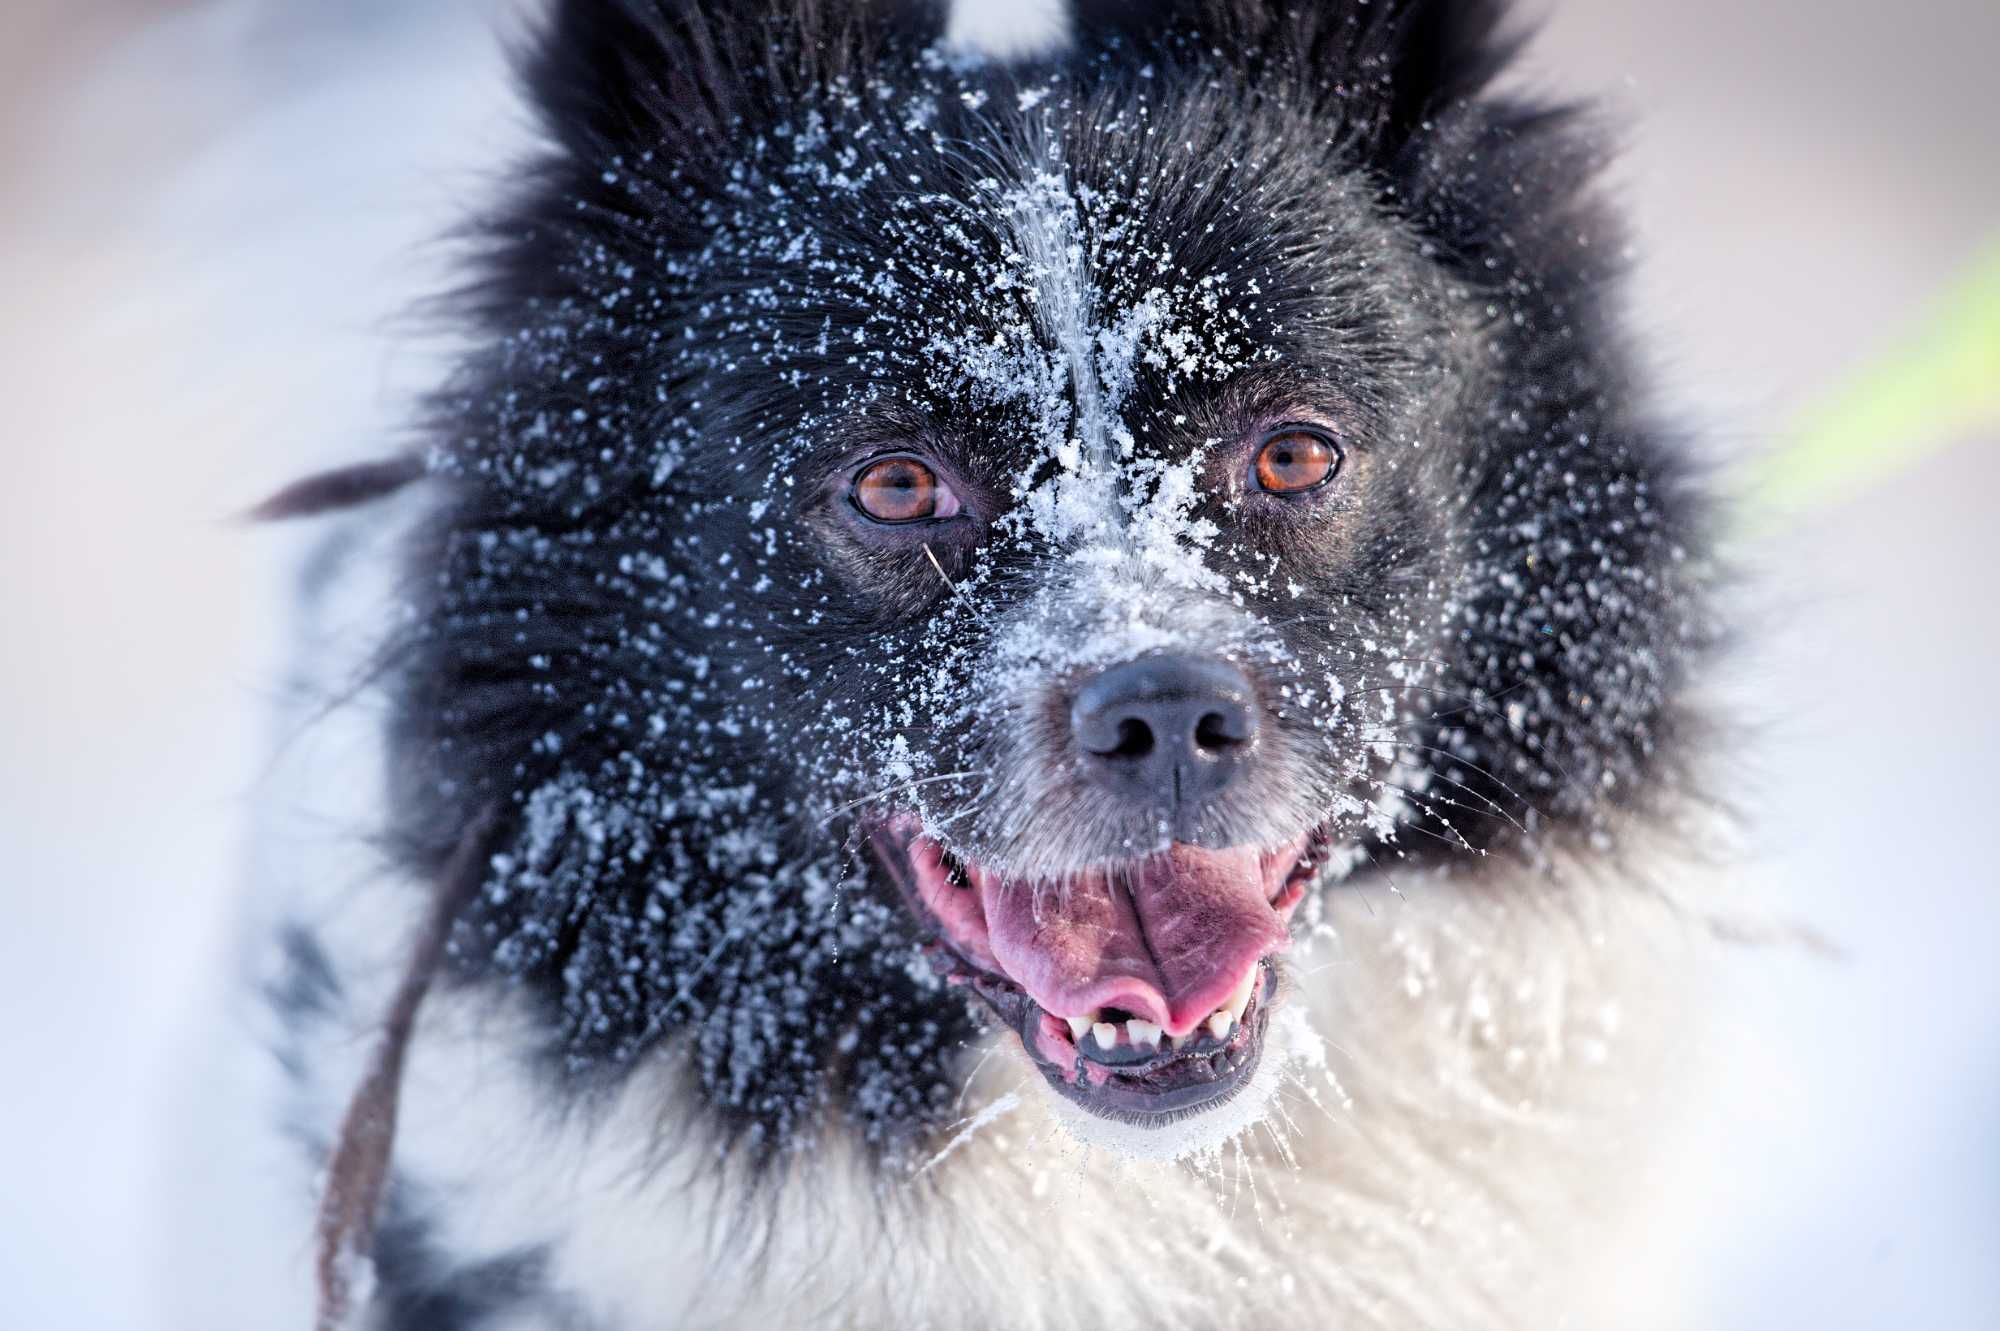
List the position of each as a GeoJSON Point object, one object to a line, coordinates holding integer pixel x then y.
{"type": "Point", "coordinates": [1046, 513]}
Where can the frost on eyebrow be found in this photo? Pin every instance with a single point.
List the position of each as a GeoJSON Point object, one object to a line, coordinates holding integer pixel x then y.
{"type": "Point", "coordinates": [985, 269]}
{"type": "Point", "coordinates": [1103, 307]}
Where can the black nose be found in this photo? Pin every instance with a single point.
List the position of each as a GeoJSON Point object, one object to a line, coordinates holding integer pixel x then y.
{"type": "Point", "coordinates": [1165, 731]}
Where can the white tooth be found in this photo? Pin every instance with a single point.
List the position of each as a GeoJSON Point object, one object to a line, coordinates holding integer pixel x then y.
{"type": "Point", "coordinates": [1241, 998]}
{"type": "Point", "coordinates": [1077, 1026]}
{"type": "Point", "coordinates": [1176, 1041]}
{"type": "Point", "coordinates": [1219, 1024]}
{"type": "Point", "coordinates": [1144, 1032]}
{"type": "Point", "coordinates": [1107, 1035]}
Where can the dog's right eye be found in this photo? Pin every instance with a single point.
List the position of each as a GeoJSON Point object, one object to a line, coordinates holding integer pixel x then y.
{"type": "Point", "coordinates": [902, 489]}
{"type": "Point", "coordinates": [1295, 459]}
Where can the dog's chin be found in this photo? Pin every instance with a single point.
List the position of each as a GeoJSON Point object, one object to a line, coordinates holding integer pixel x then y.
{"type": "Point", "coordinates": [1143, 990]}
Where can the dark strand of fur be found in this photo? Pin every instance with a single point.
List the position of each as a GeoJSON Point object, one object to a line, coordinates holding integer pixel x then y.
{"type": "Point", "coordinates": [1385, 68]}
{"type": "Point", "coordinates": [359, 1169]}
{"type": "Point", "coordinates": [342, 488]}
{"type": "Point", "coordinates": [421, 1288]}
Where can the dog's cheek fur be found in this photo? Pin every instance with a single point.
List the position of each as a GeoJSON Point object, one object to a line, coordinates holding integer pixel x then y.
{"type": "Point", "coordinates": [664, 874]}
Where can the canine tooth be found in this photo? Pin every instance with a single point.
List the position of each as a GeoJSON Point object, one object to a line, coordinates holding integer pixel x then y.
{"type": "Point", "coordinates": [1077, 1026]}
{"type": "Point", "coordinates": [1144, 1032]}
{"type": "Point", "coordinates": [1219, 1023]}
{"type": "Point", "coordinates": [1106, 1033]}
{"type": "Point", "coordinates": [1241, 998]}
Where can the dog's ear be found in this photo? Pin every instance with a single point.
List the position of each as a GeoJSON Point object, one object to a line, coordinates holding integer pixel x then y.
{"type": "Point", "coordinates": [688, 78]}
{"type": "Point", "coordinates": [1405, 86]}
{"type": "Point", "coordinates": [1382, 68]}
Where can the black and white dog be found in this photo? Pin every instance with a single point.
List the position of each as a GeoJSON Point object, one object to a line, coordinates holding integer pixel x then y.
{"type": "Point", "coordinates": [1013, 693]}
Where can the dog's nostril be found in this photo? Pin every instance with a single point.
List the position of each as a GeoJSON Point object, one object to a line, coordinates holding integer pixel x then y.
{"type": "Point", "coordinates": [1216, 732]}
{"type": "Point", "coordinates": [1135, 739]}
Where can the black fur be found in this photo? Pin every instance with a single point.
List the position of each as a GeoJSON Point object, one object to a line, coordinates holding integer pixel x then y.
{"type": "Point", "coordinates": [764, 240]}
{"type": "Point", "coordinates": [423, 1289]}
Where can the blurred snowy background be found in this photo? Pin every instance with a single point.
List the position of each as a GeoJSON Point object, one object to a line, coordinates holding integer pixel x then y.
{"type": "Point", "coordinates": [215, 214]}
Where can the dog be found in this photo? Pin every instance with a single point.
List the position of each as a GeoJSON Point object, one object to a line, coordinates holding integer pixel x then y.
{"type": "Point", "coordinates": [1039, 690]}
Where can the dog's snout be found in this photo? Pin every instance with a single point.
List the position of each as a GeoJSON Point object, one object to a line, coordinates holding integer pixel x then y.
{"type": "Point", "coordinates": [1165, 731]}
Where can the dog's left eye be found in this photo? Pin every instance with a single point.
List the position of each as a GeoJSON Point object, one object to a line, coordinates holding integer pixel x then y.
{"type": "Point", "coordinates": [902, 489]}
{"type": "Point", "coordinates": [1295, 459]}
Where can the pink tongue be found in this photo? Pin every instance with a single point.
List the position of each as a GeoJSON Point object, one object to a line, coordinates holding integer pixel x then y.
{"type": "Point", "coordinates": [1168, 943]}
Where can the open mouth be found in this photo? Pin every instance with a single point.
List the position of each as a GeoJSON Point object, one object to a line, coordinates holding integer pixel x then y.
{"type": "Point", "coordinates": [1142, 989]}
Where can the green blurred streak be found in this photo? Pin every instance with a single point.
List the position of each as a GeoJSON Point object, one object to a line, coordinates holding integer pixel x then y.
{"type": "Point", "coordinates": [1939, 387]}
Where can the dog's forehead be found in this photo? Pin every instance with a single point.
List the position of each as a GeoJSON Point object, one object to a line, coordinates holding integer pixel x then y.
{"type": "Point", "coordinates": [1032, 299]}
{"type": "Point", "coordinates": [1064, 288]}
{"type": "Point", "coordinates": [1087, 331]}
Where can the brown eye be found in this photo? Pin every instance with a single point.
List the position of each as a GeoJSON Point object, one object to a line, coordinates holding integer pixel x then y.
{"type": "Point", "coordinates": [902, 490]}
{"type": "Point", "coordinates": [1293, 461]}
